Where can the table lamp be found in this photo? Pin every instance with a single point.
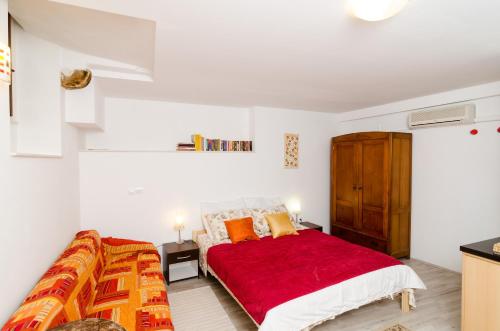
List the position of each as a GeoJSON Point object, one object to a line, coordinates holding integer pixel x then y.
{"type": "Point", "coordinates": [179, 226]}
{"type": "Point", "coordinates": [294, 207]}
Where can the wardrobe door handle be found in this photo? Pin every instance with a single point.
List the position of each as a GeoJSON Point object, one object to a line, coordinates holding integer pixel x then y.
{"type": "Point", "coordinates": [360, 187]}
{"type": "Point", "coordinates": [354, 188]}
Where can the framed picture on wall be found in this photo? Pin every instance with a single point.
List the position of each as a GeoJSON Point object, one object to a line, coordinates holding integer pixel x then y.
{"type": "Point", "coordinates": [291, 160]}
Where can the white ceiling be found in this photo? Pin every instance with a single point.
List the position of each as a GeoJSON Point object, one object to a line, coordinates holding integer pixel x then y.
{"type": "Point", "coordinates": [98, 33]}
{"type": "Point", "coordinates": [304, 54]}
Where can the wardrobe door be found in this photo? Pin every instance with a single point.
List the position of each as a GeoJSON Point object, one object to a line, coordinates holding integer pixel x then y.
{"type": "Point", "coordinates": [373, 187]}
{"type": "Point", "coordinates": [344, 185]}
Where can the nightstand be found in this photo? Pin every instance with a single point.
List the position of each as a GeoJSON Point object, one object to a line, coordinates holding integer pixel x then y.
{"type": "Point", "coordinates": [312, 226]}
{"type": "Point", "coordinates": [177, 253]}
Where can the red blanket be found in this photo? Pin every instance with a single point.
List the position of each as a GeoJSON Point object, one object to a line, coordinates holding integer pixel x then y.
{"type": "Point", "coordinates": [266, 273]}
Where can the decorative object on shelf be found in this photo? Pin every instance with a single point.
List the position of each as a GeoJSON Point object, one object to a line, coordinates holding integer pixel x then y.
{"type": "Point", "coordinates": [5, 64]}
{"type": "Point", "coordinates": [375, 10]}
{"type": "Point", "coordinates": [294, 208]}
{"type": "Point", "coordinates": [179, 226]}
{"type": "Point", "coordinates": [76, 79]}
{"type": "Point", "coordinates": [498, 129]}
{"type": "Point", "coordinates": [474, 132]}
{"type": "Point", "coordinates": [291, 151]}
{"type": "Point", "coordinates": [496, 248]}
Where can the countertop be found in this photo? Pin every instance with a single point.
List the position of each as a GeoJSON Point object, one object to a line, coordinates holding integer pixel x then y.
{"type": "Point", "coordinates": [482, 249]}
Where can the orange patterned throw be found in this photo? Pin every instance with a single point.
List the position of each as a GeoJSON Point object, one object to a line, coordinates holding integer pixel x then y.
{"type": "Point", "coordinates": [110, 279]}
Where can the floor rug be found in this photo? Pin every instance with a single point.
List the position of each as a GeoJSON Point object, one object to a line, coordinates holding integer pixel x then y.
{"type": "Point", "coordinates": [397, 327]}
{"type": "Point", "coordinates": [198, 309]}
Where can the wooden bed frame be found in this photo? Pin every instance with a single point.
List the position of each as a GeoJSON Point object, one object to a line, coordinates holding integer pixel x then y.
{"type": "Point", "coordinates": [211, 272]}
{"type": "Point", "coordinates": [405, 294]}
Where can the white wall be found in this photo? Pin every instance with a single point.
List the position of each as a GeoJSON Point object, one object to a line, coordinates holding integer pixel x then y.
{"type": "Point", "coordinates": [39, 210]}
{"type": "Point", "coordinates": [153, 125]}
{"type": "Point", "coordinates": [456, 177]}
{"type": "Point", "coordinates": [178, 182]}
{"type": "Point", "coordinates": [83, 107]}
{"type": "Point", "coordinates": [37, 97]}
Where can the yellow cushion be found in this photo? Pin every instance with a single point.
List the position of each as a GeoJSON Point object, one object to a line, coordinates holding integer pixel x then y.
{"type": "Point", "coordinates": [280, 225]}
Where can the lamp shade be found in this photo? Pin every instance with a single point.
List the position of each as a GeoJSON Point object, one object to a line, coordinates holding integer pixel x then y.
{"type": "Point", "coordinates": [375, 10]}
{"type": "Point", "coordinates": [294, 206]}
{"type": "Point", "coordinates": [5, 64]}
{"type": "Point", "coordinates": [179, 223]}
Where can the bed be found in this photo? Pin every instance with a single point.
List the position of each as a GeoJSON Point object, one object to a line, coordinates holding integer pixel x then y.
{"type": "Point", "coordinates": [297, 282]}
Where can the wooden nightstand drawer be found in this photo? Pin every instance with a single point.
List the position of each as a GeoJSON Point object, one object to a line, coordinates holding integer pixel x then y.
{"type": "Point", "coordinates": [177, 253]}
{"type": "Point", "coordinates": [179, 257]}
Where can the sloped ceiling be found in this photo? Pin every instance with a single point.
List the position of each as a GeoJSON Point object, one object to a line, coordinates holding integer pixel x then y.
{"type": "Point", "coordinates": [284, 53]}
{"type": "Point", "coordinates": [108, 35]}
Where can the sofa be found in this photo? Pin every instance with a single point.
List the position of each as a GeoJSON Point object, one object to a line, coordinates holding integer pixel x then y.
{"type": "Point", "coordinates": [108, 278]}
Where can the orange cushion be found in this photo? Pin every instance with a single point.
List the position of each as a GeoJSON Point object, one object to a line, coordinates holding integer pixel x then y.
{"type": "Point", "coordinates": [240, 230]}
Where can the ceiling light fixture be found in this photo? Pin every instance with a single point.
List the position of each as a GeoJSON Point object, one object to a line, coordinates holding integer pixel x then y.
{"type": "Point", "coordinates": [375, 10]}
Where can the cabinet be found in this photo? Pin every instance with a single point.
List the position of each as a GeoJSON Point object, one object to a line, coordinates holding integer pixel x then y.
{"type": "Point", "coordinates": [177, 253]}
{"type": "Point", "coordinates": [480, 286]}
{"type": "Point", "coordinates": [371, 190]}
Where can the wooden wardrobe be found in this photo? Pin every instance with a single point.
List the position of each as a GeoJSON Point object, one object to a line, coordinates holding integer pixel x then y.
{"type": "Point", "coordinates": [370, 200]}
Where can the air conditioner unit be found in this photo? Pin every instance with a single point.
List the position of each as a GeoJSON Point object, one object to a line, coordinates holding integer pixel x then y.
{"type": "Point", "coordinates": [454, 115]}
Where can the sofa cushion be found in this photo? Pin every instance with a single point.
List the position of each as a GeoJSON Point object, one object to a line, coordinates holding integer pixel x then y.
{"type": "Point", "coordinates": [131, 290]}
{"type": "Point", "coordinates": [113, 247]}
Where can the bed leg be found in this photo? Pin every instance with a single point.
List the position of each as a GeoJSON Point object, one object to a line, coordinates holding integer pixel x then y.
{"type": "Point", "coordinates": [405, 301]}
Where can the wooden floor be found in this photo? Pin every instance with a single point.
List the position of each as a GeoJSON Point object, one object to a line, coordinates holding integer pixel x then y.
{"type": "Point", "coordinates": [438, 307]}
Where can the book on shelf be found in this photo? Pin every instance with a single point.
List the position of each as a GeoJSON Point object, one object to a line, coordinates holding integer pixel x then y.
{"type": "Point", "coordinates": [185, 147]}
{"type": "Point", "coordinates": [200, 143]}
{"type": "Point", "coordinates": [197, 140]}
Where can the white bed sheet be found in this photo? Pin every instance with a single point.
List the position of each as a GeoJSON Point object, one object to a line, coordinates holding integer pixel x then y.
{"type": "Point", "coordinates": [315, 308]}
{"type": "Point", "coordinates": [312, 309]}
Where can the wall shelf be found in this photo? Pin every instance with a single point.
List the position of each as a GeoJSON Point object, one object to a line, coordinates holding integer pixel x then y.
{"type": "Point", "coordinates": [163, 151]}
{"type": "Point", "coordinates": [160, 126]}
{"type": "Point", "coordinates": [35, 155]}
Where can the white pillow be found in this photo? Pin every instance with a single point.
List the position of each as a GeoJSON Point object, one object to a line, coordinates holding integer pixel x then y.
{"type": "Point", "coordinates": [208, 208]}
{"type": "Point", "coordinates": [215, 223]}
{"type": "Point", "coordinates": [261, 202]}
